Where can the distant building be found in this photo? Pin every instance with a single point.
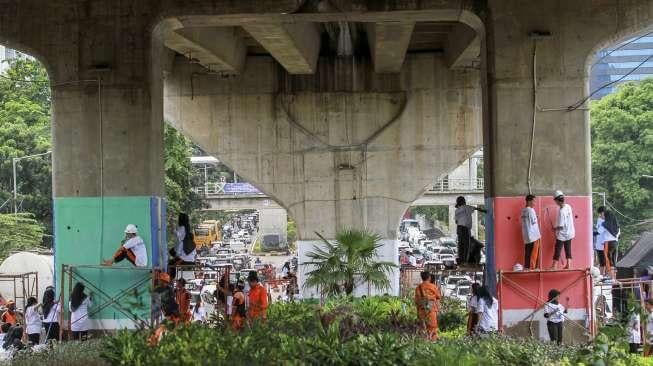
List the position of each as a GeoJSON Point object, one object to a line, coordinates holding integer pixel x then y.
{"type": "Point", "coordinates": [8, 54]}
{"type": "Point", "coordinates": [614, 62]}
{"type": "Point", "coordinates": [638, 258]}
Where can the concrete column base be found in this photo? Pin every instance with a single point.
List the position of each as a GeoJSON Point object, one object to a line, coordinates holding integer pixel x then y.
{"type": "Point", "coordinates": [388, 252]}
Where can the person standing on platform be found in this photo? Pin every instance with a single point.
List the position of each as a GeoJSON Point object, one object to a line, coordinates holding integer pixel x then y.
{"type": "Point", "coordinates": [51, 312]}
{"type": "Point", "coordinates": [427, 297]}
{"type": "Point", "coordinates": [132, 249]}
{"type": "Point", "coordinates": [185, 252]}
{"type": "Point", "coordinates": [258, 299]}
{"type": "Point", "coordinates": [463, 216]}
{"type": "Point", "coordinates": [634, 331]}
{"type": "Point", "coordinates": [554, 312]}
{"type": "Point", "coordinates": [564, 230]}
{"type": "Point", "coordinates": [607, 227]}
{"type": "Point", "coordinates": [530, 229]}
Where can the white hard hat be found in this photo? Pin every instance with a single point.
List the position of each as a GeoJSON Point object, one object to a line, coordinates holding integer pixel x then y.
{"type": "Point", "coordinates": [518, 267]}
{"type": "Point", "coordinates": [131, 229]}
{"type": "Point", "coordinates": [558, 193]}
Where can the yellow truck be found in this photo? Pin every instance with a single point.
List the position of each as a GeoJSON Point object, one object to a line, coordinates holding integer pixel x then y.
{"type": "Point", "coordinates": [206, 233]}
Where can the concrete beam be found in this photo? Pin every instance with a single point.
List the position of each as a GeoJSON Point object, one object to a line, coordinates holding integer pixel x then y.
{"type": "Point", "coordinates": [296, 46]}
{"type": "Point", "coordinates": [388, 43]}
{"type": "Point", "coordinates": [216, 48]}
{"type": "Point", "coordinates": [463, 47]}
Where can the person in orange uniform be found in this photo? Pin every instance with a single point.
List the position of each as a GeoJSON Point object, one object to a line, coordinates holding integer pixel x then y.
{"type": "Point", "coordinates": [169, 308]}
{"type": "Point", "coordinates": [182, 296]}
{"type": "Point", "coordinates": [10, 315]}
{"type": "Point", "coordinates": [239, 312]}
{"type": "Point", "coordinates": [427, 298]}
{"type": "Point", "coordinates": [258, 298]}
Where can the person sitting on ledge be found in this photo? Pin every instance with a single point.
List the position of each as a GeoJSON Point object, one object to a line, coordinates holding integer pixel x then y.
{"type": "Point", "coordinates": [132, 248]}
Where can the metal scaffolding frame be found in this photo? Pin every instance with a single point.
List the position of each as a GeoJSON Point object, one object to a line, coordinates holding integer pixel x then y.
{"type": "Point", "coordinates": [29, 285]}
{"type": "Point", "coordinates": [68, 272]}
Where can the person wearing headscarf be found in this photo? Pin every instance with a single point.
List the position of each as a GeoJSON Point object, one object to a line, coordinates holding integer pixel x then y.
{"type": "Point", "coordinates": [51, 312]}
{"type": "Point", "coordinates": [79, 305]}
{"type": "Point", "coordinates": [607, 228]}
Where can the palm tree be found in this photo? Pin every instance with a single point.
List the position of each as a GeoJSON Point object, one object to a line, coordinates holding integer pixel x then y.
{"type": "Point", "coordinates": [350, 261]}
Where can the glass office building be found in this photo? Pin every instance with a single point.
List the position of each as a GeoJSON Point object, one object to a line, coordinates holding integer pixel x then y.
{"type": "Point", "coordinates": [614, 62]}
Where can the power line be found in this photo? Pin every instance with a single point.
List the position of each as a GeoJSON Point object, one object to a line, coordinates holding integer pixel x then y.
{"type": "Point", "coordinates": [582, 101]}
{"type": "Point", "coordinates": [623, 215]}
{"type": "Point", "coordinates": [620, 47]}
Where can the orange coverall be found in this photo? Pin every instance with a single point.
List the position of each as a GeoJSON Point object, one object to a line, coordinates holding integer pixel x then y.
{"type": "Point", "coordinates": [428, 292]}
{"type": "Point", "coordinates": [183, 300]}
{"type": "Point", "coordinates": [258, 302]}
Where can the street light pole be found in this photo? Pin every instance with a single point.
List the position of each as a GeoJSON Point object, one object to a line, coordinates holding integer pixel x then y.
{"type": "Point", "coordinates": [14, 161]}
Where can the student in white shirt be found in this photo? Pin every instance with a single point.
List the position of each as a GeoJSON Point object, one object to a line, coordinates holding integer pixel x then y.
{"type": "Point", "coordinates": [79, 305]}
{"type": "Point", "coordinates": [608, 230]}
{"type": "Point", "coordinates": [33, 321]}
{"type": "Point", "coordinates": [554, 312]}
{"type": "Point", "coordinates": [564, 229]}
{"type": "Point", "coordinates": [488, 312]}
{"type": "Point", "coordinates": [51, 312]}
{"type": "Point", "coordinates": [132, 249]}
{"type": "Point", "coordinates": [634, 332]}
{"type": "Point", "coordinates": [199, 312]}
{"type": "Point", "coordinates": [530, 229]}
{"type": "Point", "coordinates": [472, 305]}
{"type": "Point", "coordinates": [185, 251]}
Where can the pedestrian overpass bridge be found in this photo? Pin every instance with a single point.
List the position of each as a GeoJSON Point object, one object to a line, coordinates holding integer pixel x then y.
{"type": "Point", "coordinates": [244, 196]}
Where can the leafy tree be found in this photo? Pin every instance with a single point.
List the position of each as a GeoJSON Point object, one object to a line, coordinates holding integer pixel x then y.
{"type": "Point", "coordinates": [19, 232]}
{"type": "Point", "coordinates": [622, 151]}
{"type": "Point", "coordinates": [25, 130]}
{"type": "Point", "coordinates": [180, 177]}
{"type": "Point", "coordinates": [350, 261]}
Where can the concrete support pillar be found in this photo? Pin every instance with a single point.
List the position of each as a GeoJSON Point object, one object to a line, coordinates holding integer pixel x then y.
{"type": "Point", "coordinates": [108, 171]}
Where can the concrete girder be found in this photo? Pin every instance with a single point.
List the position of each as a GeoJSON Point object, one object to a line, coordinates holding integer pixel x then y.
{"type": "Point", "coordinates": [388, 44]}
{"type": "Point", "coordinates": [295, 46]}
{"type": "Point", "coordinates": [463, 48]}
{"type": "Point", "coordinates": [216, 48]}
{"type": "Point", "coordinates": [334, 158]}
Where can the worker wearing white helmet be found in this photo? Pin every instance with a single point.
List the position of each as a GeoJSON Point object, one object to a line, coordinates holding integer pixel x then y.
{"type": "Point", "coordinates": [132, 249]}
{"type": "Point", "coordinates": [564, 229]}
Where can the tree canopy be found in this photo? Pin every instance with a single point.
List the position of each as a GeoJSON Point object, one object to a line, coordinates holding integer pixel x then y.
{"type": "Point", "coordinates": [622, 152]}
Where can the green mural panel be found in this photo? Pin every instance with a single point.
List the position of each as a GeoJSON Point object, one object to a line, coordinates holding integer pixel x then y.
{"type": "Point", "coordinates": [89, 230]}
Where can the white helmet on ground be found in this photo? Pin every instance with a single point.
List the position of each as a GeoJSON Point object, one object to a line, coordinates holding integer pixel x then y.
{"type": "Point", "coordinates": [131, 229]}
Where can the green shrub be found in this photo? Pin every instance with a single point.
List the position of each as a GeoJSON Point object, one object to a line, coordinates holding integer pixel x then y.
{"type": "Point", "coordinates": [65, 354]}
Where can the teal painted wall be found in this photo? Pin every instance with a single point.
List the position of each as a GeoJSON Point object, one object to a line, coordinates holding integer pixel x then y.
{"type": "Point", "coordinates": [89, 230]}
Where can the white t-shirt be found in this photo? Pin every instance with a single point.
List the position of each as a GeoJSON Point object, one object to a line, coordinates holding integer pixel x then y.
{"type": "Point", "coordinates": [598, 242]}
{"type": "Point", "coordinates": [566, 222]}
{"type": "Point", "coordinates": [199, 315]}
{"type": "Point", "coordinates": [604, 234]}
{"type": "Point", "coordinates": [53, 315]}
{"type": "Point", "coordinates": [33, 321]}
{"type": "Point", "coordinates": [181, 234]}
{"type": "Point", "coordinates": [530, 228]}
{"type": "Point", "coordinates": [464, 216]}
{"type": "Point", "coordinates": [137, 245]}
{"type": "Point", "coordinates": [79, 318]}
{"type": "Point", "coordinates": [488, 315]}
{"type": "Point", "coordinates": [556, 312]}
{"type": "Point", "coordinates": [634, 334]}
{"type": "Point", "coordinates": [649, 324]}
{"type": "Point", "coordinates": [230, 304]}
{"type": "Point", "coordinates": [412, 260]}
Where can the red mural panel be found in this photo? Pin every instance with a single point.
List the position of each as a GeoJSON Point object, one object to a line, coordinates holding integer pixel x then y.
{"type": "Point", "coordinates": [508, 243]}
{"type": "Point", "coordinates": [528, 290]}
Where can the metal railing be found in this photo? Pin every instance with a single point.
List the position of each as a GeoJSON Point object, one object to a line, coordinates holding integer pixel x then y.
{"type": "Point", "coordinates": [458, 185]}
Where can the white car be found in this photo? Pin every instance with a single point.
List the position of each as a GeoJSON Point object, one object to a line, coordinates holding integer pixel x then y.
{"type": "Point", "coordinates": [462, 293]}
{"type": "Point", "coordinates": [451, 282]}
